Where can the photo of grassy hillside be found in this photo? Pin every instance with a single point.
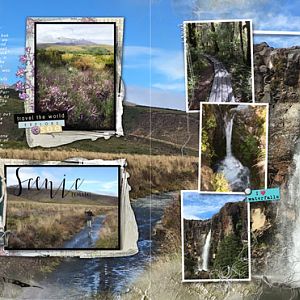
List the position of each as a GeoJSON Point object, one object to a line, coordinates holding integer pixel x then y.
{"type": "Point", "coordinates": [48, 216]}
{"type": "Point", "coordinates": [76, 74]}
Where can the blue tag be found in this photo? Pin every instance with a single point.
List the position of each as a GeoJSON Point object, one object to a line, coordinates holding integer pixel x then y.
{"type": "Point", "coordinates": [272, 194]}
{"type": "Point", "coordinates": [31, 124]}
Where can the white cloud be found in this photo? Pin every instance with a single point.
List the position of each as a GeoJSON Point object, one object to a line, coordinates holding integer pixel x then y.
{"type": "Point", "coordinates": [199, 206]}
{"type": "Point", "coordinates": [169, 86]}
{"type": "Point", "coordinates": [272, 21]}
{"type": "Point", "coordinates": [16, 51]}
{"type": "Point", "coordinates": [266, 14]}
{"type": "Point", "coordinates": [169, 63]}
{"type": "Point", "coordinates": [97, 33]}
{"type": "Point", "coordinates": [167, 66]}
{"type": "Point", "coordinates": [24, 174]}
{"type": "Point", "coordinates": [155, 97]}
{"type": "Point", "coordinates": [136, 51]}
{"type": "Point", "coordinates": [278, 41]}
{"type": "Point", "coordinates": [108, 188]}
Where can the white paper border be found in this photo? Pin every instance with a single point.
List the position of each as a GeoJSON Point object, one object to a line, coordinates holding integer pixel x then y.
{"type": "Point", "coordinates": [128, 231]}
{"type": "Point", "coordinates": [66, 137]}
{"type": "Point", "coordinates": [185, 58]}
{"type": "Point", "coordinates": [182, 243]}
{"type": "Point", "coordinates": [200, 142]}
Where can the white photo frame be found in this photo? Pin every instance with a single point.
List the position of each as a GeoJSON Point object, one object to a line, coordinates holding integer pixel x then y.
{"type": "Point", "coordinates": [128, 226]}
{"type": "Point", "coordinates": [182, 243]}
{"type": "Point", "coordinates": [66, 137]}
{"type": "Point", "coordinates": [200, 142]}
{"type": "Point", "coordinates": [186, 53]}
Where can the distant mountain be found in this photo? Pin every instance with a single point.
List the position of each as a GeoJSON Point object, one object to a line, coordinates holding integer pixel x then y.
{"type": "Point", "coordinates": [73, 42]}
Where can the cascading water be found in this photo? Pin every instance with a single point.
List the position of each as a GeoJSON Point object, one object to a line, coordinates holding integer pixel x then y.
{"type": "Point", "coordinates": [293, 201]}
{"type": "Point", "coordinates": [228, 132]}
{"type": "Point", "coordinates": [205, 252]}
{"type": "Point", "coordinates": [235, 173]}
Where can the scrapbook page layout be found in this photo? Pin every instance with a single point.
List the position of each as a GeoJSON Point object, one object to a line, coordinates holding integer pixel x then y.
{"type": "Point", "coordinates": [149, 150]}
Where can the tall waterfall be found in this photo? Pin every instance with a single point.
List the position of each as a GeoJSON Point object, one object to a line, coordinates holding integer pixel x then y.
{"type": "Point", "coordinates": [294, 201]}
{"type": "Point", "coordinates": [205, 252]}
{"type": "Point", "coordinates": [235, 173]}
{"type": "Point", "coordinates": [228, 132]}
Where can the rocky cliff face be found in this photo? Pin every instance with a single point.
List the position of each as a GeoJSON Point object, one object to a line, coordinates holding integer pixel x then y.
{"type": "Point", "coordinates": [231, 220]}
{"type": "Point", "coordinates": [276, 74]}
{"type": "Point", "coordinates": [277, 81]}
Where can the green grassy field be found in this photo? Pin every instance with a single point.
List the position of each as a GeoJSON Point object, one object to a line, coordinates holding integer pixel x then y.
{"type": "Point", "coordinates": [169, 132]}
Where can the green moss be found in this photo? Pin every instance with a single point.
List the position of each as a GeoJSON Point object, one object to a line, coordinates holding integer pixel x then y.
{"type": "Point", "coordinates": [209, 124]}
{"type": "Point", "coordinates": [249, 149]}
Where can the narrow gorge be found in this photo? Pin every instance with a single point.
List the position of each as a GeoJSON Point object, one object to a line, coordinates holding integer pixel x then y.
{"type": "Point", "coordinates": [233, 143]}
{"type": "Point", "coordinates": [216, 245]}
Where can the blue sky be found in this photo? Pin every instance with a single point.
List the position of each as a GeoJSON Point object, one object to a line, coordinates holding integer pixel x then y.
{"type": "Point", "coordinates": [98, 180]}
{"type": "Point", "coordinates": [197, 206]}
{"type": "Point", "coordinates": [153, 53]}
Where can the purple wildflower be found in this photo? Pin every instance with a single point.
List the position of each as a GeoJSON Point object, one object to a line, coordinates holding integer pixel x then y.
{"type": "Point", "coordinates": [23, 59]}
{"type": "Point", "coordinates": [54, 89]}
{"type": "Point", "coordinates": [20, 72]}
{"type": "Point", "coordinates": [23, 96]}
{"type": "Point", "coordinates": [19, 86]}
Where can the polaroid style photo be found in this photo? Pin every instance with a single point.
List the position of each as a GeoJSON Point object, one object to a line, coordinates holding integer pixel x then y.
{"type": "Point", "coordinates": [76, 70]}
{"type": "Point", "coordinates": [215, 237]}
{"type": "Point", "coordinates": [67, 208]}
{"type": "Point", "coordinates": [218, 62]}
{"type": "Point", "coordinates": [233, 147]}
{"type": "Point", "coordinates": [63, 207]}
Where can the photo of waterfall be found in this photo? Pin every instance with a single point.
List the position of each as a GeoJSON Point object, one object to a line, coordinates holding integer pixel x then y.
{"type": "Point", "coordinates": [233, 139]}
{"type": "Point", "coordinates": [215, 237]}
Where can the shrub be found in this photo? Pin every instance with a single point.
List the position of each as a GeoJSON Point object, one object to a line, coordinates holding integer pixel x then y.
{"type": "Point", "coordinates": [231, 256]}
{"type": "Point", "coordinates": [84, 63]}
{"type": "Point", "coordinates": [220, 184]}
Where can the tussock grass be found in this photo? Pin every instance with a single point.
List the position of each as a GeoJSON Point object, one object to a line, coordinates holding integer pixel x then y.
{"type": "Point", "coordinates": [45, 225]}
{"type": "Point", "coordinates": [108, 235]}
{"type": "Point", "coordinates": [168, 173]}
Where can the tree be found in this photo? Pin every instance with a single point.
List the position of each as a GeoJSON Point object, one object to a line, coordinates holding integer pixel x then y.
{"type": "Point", "coordinates": [248, 43]}
{"type": "Point", "coordinates": [213, 29]}
{"type": "Point", "coordinates": [192, 34]}
{"type": "Point", "coordinates": [241, 40]}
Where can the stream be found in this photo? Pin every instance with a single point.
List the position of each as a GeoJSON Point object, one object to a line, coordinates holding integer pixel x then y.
{"type": "Point", "coordinates": [77, 278]}
{"type": "Point", "coordinates": [82, 238]}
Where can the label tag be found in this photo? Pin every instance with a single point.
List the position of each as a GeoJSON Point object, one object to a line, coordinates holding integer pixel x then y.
{"type": "Point", "coordinates": [32, 117]}
{"type": "Point", "coordinates": [272, 194]}
{"type": "Point", "coordinates": [50, 129]}
{"type": "Point", "coordinates": [41, 123]}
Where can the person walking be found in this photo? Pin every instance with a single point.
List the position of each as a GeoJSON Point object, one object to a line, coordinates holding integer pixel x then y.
{"type": "Point", "coordinates": [89, 217]}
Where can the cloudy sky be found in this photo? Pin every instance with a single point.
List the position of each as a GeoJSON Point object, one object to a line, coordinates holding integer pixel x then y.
{"type": "Point", "coordinates": [153, 62]}
{"type": "Point", "coordinates": [96, 33]}
{"type": "Point", "coordinates": [98, 180]}
{"type": "Point", "coordinates": [197, 206]}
